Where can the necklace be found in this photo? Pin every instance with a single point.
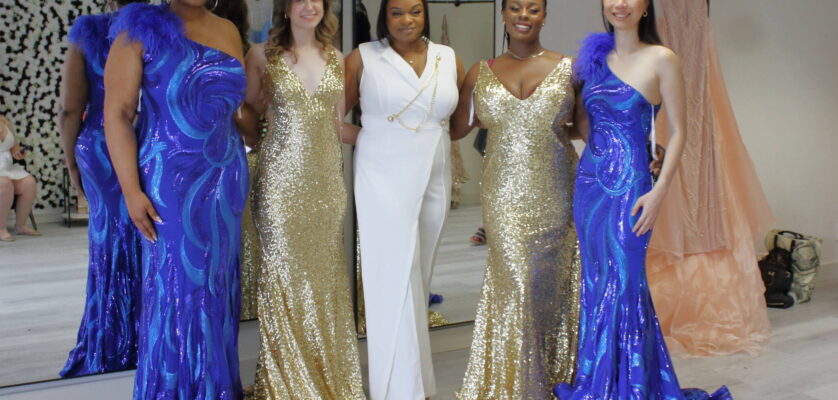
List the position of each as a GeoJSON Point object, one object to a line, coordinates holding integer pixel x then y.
{"type": "Point", "coordinates": [531, 56]}
{"type": "Point", "coordinates": [434, 77]}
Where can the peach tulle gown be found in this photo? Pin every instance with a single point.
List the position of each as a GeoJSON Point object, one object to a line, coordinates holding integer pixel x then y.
{"type": "Point", "coordinates": [702, 263]}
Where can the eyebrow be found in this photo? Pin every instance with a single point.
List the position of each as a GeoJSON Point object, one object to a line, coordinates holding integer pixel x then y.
{"type": "Point", "coordinates": [397, 8]}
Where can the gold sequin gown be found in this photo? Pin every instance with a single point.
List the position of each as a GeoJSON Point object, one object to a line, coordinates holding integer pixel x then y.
{"type": "Point", "coordinates": [308, 342]}
{"type": "Point", "coordinates": [250, 248]}
{"type": "Point", "coordinates": [525, 334]}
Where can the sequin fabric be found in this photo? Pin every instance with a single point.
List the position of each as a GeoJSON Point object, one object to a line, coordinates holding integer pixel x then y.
{"type": "Point", "coordinates": [308, 347]}
{"type": "Point", "coordinates": [622, 354]}
{"type": "Point", "coordinates": [107, 335]}
{"type": "Point", "coordinates": [525, 331]}
{"type": "Point", "coordinates": [251, 248]}
{"type": "Point", "coordinates": [193, 169]}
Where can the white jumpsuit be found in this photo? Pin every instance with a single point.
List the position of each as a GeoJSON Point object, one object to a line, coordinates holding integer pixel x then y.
{"type": "Point", "coordinates": [402, 194]}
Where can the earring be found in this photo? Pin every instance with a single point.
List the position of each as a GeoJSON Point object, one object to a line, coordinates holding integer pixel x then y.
{"type": "Point", "coordinates": [645, 14]}
{"type": "Point", "coordinates": [214, 6]}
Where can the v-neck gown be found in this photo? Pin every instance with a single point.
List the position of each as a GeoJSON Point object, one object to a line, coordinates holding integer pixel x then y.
{"type": "Point", "coordinates": [525, 330]}
{"type": "Point", "coordinates": [402, 192]}
{"type": "Point", "coordinates": [308, 342]}
{"type": "Point", "coordinates": [193, 169]}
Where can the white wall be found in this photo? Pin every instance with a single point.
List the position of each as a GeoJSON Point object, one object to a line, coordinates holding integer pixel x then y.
{"type": "Point", "coordinates": [779, 60]}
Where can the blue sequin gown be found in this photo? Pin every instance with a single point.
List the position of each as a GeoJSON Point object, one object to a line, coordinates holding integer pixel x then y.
{"type": "Point", "coordinates": [107, 336]}
{"type": "Point", "coordinates": [193, 168]}
{"type": "Point", "coordinates": [622, 354]}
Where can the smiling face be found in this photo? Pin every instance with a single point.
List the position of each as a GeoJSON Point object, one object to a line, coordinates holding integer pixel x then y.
{"type": "Point", "coordinates": [305, 14]}
{"type": "Point", "coordinates": [624, 14]}
{"type": "Point", "coordinates": [524, 18]}
{"type": "Point", "coordinates": [405, 20]}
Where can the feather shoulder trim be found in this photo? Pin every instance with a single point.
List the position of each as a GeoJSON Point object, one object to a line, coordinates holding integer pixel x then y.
{"type": "Point", "coordinates": [154, 26]}
{"type": "Point", "coordinates": [90, 34]}
{"type": "Point", "coordinates": [590, 63]}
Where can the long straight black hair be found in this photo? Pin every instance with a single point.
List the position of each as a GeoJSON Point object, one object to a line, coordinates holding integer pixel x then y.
{"type": "Point", "coordinates": [648, 28]}
{"type": "Point", "coordinates": [381, 27]}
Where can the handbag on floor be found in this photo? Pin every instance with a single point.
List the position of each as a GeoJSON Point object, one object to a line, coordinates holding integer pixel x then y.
{"type": "Point", "coordinates": [805, 254]}
{"type": "Point", "coordinates": [777, 274]}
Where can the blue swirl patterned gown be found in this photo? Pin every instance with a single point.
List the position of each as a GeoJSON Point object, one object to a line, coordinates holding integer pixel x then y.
{"type": "Point", "coordinates": [107, 337]}
{"type": "Point", "coordinates": [622, 354]}
{"type": "Point", "coordinates": [193, 168]}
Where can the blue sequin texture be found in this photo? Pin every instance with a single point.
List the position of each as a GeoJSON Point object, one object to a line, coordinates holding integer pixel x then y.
{"type": "Point", "coordinates": [107, 335]}
{"type": "Point", "coordinates": [622, 354]}
{"type": "Point", "coordinates": [194, 170]}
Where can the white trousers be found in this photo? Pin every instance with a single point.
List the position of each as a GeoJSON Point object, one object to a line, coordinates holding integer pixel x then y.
{"type": "Point", "coordinates": [402, 196]}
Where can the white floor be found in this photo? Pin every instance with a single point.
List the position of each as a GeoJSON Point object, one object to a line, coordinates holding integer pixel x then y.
{"type": "Point", "coordinates": [799, 363]}
{"type": "Point", "coordinates": [42, 291]}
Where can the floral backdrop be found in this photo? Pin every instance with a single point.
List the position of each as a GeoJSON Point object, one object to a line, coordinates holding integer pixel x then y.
{"type": "Point", "coordinates": [32, 45]}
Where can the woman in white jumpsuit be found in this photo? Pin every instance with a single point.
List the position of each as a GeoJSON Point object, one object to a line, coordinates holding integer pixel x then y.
{"type": "Point", "coordinates": [402, 194]}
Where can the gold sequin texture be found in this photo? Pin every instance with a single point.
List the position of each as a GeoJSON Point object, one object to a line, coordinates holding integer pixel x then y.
{"type": "Point", "coordinates": [250, 248]}
{"type": "Point", "coordinates": [525, 334]}
{"type": "Point", "coordinates": [308, 343]}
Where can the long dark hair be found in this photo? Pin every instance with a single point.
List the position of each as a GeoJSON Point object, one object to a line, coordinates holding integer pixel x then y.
{"type": "Point", "coordinates": [236, 12]}
{"type": "Point", "coordinates": [648, 28]}
{"type": "Point", "coordinates": [382, 30]}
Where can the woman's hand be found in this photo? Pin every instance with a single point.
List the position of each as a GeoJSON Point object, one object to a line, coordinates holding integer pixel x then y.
{"type": "Point", "coordinates": [349, 133]}
{"type": "Point", "coordinates": [650, 204]}
{"type": "Point", "coordinates": [18, 153]}
{"type": "Point", "coordinates": [142, 213]}
{"type": "Point", "coordinates": [75, 178]}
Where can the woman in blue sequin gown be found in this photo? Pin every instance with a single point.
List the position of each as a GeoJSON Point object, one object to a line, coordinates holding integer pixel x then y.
{"type": "Point", "coordinates": [184, 174]}
{"type": "Point", "coordinates": [107, 336]}
{"type": "Point", "coordinates": [622, 354]}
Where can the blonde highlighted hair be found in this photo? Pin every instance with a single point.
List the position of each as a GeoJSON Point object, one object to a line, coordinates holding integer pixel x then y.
{"type": "Point", "coordinates": [281, 39]}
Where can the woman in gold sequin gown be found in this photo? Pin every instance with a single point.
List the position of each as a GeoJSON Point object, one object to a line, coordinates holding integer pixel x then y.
{"type": "Point", "coordinates": [308, 343]}
{"type": "Point", "coordinates": [527, 318]}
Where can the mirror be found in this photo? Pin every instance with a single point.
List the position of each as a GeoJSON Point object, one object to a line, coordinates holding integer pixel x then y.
{"type": "Point", "coordinates": [469, 28]}
{"type": "Point", "coordinates": [43, 280]}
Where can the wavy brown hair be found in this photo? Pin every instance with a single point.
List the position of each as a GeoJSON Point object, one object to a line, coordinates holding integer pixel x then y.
{"type": "Point", "coordinates": [280, 37]}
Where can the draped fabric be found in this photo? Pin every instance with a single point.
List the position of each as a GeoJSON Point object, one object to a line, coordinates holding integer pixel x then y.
{"type": "Point", "coordinates": [702, 264]}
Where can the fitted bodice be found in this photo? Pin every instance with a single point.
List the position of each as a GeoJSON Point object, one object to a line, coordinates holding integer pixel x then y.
{"type": "Point", "coordinates": [388, 84]}
{"type": "Point", "coordinates": [302, 145]}
{"type": "Point", "coordinates": [293, 111]}
{"type": "Point", "coordinates": [521, 139]}
{"type": "Point", "coordinates": [620, 121]}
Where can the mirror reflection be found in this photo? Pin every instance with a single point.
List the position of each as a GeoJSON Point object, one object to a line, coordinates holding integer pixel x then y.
{"type": "Point", "coordinates": [72, 267]}
{"type": "Point", "coordinates": [70, 278]}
